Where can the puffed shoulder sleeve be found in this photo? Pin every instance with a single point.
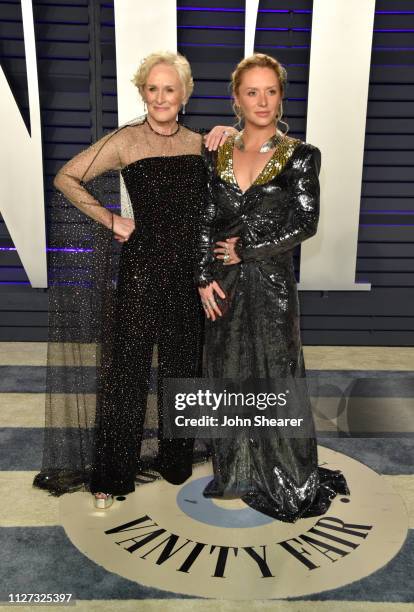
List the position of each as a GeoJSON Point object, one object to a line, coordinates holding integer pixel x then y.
{"type": "Point", "coordinates": [203, 274]}
{"type": "Point", "coordinates": [302, 221]}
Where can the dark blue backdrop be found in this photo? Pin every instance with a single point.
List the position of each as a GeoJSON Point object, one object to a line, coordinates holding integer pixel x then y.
{"type": "Point", "coordinates": [76, 59]}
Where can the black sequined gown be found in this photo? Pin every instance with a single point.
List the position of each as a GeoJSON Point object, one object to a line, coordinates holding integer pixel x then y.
{"type": "Point", "coordinates": [259, 336]}
{"type": "Point", "coordinates": [108, 313]}
{"type": "Point", "coordinates": [158, 305]}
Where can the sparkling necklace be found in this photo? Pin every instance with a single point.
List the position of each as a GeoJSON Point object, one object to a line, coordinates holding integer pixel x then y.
{"type": "Point", "coordinates": [159, 133]}
{"type": "Point", "coordinates": [267, 146]}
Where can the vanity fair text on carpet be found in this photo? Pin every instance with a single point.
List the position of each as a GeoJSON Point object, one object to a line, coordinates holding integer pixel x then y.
{"type": "Point", "coordinates": [329, 540]}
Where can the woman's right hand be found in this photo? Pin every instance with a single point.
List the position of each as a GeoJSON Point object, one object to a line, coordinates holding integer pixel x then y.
{"type": "Point", "coordinates": [208, 300]}
{"type": "Point", "coordinates": [218, 135]}
{"type": "Point", "coordinates": [122, 228]}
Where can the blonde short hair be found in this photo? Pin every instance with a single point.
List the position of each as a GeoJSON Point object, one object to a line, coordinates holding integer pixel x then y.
{"type": "Point", "coordinates": [179, 62]}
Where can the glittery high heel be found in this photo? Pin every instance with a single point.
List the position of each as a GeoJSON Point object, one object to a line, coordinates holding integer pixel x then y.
{"type": "Point", "coordinates": [103, 503]}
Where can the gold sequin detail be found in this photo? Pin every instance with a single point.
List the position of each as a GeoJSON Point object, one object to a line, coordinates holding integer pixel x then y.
{"type": "Point", "coordinates": [225, 161]}
{"type": "Point", "coordinates": [274, 166]}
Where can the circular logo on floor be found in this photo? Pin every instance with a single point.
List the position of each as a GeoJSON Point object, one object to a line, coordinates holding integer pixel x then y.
{"type": "Point", "coordinates": [172, 538]}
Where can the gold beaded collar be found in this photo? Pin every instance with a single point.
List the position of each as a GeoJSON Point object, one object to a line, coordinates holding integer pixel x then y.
{"type": "Point", "coordinates": [274, 166]}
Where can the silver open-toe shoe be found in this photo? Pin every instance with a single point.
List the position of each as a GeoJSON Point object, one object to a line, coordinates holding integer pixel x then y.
{"type": "Point", "coordinates": [103, 503]}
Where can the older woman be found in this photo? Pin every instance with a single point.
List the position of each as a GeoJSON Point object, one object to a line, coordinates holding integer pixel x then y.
{"type": "Point", "coordinates": [155, 300]}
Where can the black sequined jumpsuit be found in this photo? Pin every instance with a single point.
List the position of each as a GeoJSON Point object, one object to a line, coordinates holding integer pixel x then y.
{"type": "Point", "coordinates": [102, 433]}
{"type": "Point", "coordinates": [157, 304]}
{"type": "Point", "coordinates": [259, 335]}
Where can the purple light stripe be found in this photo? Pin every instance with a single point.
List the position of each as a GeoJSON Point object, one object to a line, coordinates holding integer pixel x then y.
{"type": "Point", "coordinates": [11, 21]}
{"type": "Point", "coordinates": [56, 57]}
{"type": "Point", "coordinates": [283, 29]}
{"type": "Point", "coordinates": [395, 30]}
{"type": "Point", "coordinates": [54, 250]}
{"type": "Point", "coordinates": [210, 10]}
{"type": "Point", "coordinates": [393, 48]}
{"type": "Point", "coordinates": [68, 250]}
{"type": "Point", "coordinates": [60, 40]}
{"type": "Point", "coordinates": [12, 38]}
{"type": "Point", "coordinates": [47, 22]}
{"type": "Point", "coordinates": [210, 45]}
{"type": "Point", "coordinates": [229, 45]}
{"type": "Point", "coordinates": [241, 28]}
{"type": "Point", "coordinates": [215, 9]}
{"type": "Point", "coordinates": [299, 11]}
{"type": "Point", "coordinates": [14, 283]}
{"type": "Point", "coordinates": [201, 27]}
{"type": "Point", "coordinates": [394, 12]}
{"type": "Point", "coordinates": [282, 46]}
{"type": "Point", "coordinates": [6, 55]}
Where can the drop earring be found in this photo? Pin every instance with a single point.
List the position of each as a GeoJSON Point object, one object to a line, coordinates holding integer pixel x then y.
{"type": "Point", "coordinates": [183, 110]}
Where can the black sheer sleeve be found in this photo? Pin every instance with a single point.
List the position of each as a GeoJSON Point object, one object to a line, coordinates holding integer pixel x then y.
{"type": "Point", "coordinates": [203, 273]}
{"type": "Point", "coordinates": [303, 217]}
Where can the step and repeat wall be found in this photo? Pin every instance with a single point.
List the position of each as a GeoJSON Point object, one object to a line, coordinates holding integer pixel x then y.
{"type": "Point", "coordinates": [76, 49]}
